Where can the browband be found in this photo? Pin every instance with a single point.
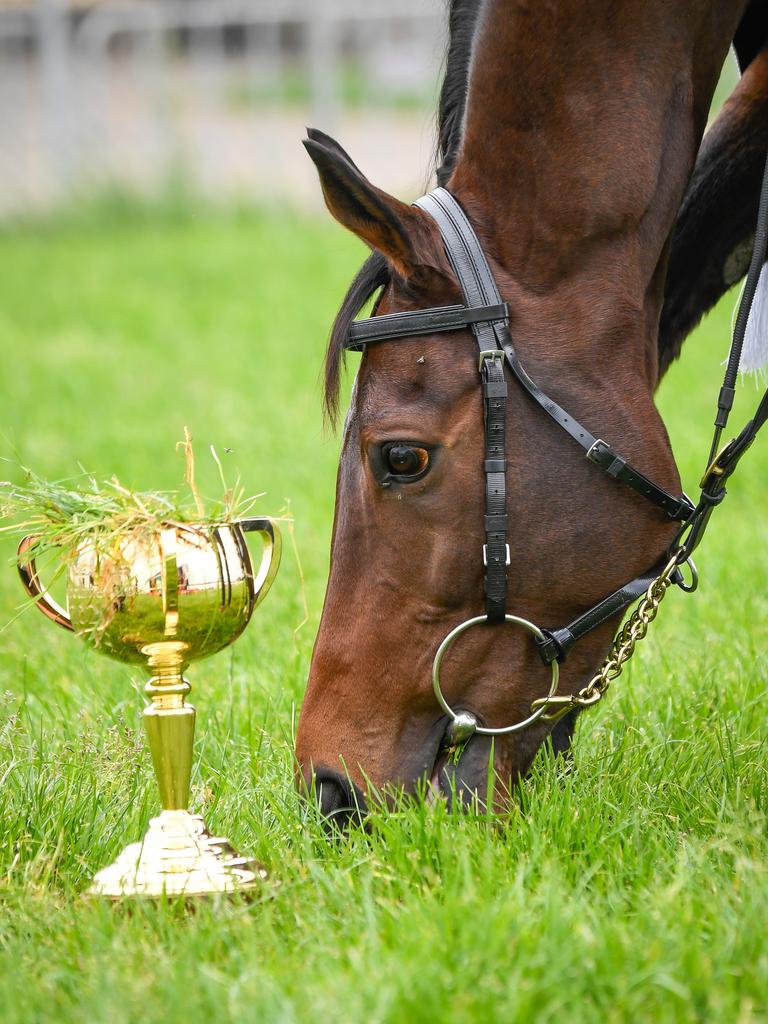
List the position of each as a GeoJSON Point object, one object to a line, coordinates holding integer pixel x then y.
{"type": "Point", "coordinates": [421, 321]}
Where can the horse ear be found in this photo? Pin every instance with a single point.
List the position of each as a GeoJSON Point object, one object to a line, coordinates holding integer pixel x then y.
{"type": "Point", "coordinates": [382, 221]}
{"type": "Point", "coordinates": [315, 135]}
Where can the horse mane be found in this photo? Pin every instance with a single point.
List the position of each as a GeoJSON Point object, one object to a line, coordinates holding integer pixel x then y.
{"type": "Point", "coordinates": [462, 21]}
{"type": "Point", "coordinates": [374, 275]}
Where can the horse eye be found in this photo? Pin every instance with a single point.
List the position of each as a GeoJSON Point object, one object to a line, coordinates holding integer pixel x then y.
{"type": "Point", "coordinates": [406, 459]}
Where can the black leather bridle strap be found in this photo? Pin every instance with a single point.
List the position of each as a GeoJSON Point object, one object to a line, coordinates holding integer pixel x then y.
{"type": "Point", "coordinates": [421, 321]}
{"type": "Point", "coordinates": [466, 258]}
{"type": "Point", "coordinates": [606, 458]}
{"type": "Point", "coordinates": [598, 451]}
{"type": "Point", "coordinates": [496, 548]}
{"type": "Point", "coordinates": [479, 287]}
{"type": "Point", "coordinates": [559, 641]}
{"type": "Point", "coordinates": [716, 476]}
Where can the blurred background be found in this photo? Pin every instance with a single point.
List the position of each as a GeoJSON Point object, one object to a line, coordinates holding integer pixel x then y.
{"type": "Point", "coordinates": [215, 94]}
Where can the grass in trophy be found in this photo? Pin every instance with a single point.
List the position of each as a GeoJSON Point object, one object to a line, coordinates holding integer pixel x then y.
{"type": "Point", "coordinates": [64, 514]}
{"type": "Point", "coordinates": [633, 888]}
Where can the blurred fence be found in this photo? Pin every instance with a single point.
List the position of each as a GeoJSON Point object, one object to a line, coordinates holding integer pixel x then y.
{"type": "Point", "coordinates": [140, 93]}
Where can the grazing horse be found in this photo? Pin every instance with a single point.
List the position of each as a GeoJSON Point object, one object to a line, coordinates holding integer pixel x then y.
{"type": "Point", "coordinates": [571, 135]}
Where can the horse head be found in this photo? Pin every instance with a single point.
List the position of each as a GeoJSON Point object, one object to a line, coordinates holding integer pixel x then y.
{"type": "Point", "coordinates": [571, 163]}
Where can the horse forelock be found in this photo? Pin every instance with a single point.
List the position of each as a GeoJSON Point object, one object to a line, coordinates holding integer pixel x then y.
{"type": "Point", "coordinates": [369, 280]}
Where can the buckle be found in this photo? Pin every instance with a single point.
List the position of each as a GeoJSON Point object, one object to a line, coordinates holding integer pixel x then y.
{"type": "Point", "coordinates": [489, 353]}
{"type": "Point", "coordinates": [714, 469]}
{"type": "Point", "coordinates": [485, 554]}
{"type": "Point", "coordinates": [594, 452]}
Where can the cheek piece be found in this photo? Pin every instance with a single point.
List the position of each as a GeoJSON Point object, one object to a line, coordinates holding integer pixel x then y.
{"type": "Point", "coordinates": [487, 315]}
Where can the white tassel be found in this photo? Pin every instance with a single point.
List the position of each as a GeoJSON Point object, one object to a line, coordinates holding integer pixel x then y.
{"type": "Point", "coordinates": [754, 354]}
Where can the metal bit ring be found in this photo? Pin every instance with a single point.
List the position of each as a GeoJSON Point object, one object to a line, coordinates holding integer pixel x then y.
{"type": "Point", "coordinates": [461, 718]}
{"type": "Point", "coordinates": [689, 588]}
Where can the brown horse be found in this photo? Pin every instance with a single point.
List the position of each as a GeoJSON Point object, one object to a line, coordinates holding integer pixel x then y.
{"type": "Point", "coordinates": [569, 132]}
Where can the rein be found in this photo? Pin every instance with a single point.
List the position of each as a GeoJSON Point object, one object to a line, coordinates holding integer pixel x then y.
{"type": "Point", "coordinates": [487, 315]}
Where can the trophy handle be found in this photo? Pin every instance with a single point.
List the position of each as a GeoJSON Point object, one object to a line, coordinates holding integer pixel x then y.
{"type": "Point", "coordinates": [270, 560]}
{"type": "Point", "coordinates": [31, 583]}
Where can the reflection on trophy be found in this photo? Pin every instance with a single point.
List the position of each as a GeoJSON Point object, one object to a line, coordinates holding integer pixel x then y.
{"type": "Point", "coordinates": [162, 598]}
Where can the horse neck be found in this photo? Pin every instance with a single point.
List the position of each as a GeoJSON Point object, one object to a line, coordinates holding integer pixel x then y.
{"type": "Point", "coordinates": [581, 129]}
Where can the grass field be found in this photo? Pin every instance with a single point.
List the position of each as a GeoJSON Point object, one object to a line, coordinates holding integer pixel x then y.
{"type": "Point", "coordinates": [633, 889]}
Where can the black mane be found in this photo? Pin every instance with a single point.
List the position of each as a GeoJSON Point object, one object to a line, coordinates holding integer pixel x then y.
{"type": "Point", "coordinates": [462, 20]}
{"type": "Point", "coordinates": [374, 273]}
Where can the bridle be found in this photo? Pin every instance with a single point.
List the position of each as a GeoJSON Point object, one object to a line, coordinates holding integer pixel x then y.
{"type": "Point", "coordinates": [487, 315]}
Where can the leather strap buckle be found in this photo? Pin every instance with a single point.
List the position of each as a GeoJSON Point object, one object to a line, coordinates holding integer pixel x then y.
{"type": "Point", "coordinates": [716, 468]}
{"type": "Point", "coordinates": [485, 554]}
{"type": "Point", "coordinates": [598, 449]}
{"type": "Point", "coordinates": [489, 353]}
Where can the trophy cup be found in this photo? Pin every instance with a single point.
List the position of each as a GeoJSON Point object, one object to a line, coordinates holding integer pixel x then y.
{"type": "Point", "coordinates": [162, 598]}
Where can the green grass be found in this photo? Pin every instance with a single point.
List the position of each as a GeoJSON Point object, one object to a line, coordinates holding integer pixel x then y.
{"type": "Point", "coordinates": [634, 888]}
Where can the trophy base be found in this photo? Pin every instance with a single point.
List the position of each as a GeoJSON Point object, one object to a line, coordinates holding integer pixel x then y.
{"type": "Point", "coordinates": [178, 857]}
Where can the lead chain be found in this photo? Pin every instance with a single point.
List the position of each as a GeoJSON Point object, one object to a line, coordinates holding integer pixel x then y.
{"type": "Point", "coordinates": [633, 630]}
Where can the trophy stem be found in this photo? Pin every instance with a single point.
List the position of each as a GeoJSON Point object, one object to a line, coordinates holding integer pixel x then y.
{"type": "Point", "coordinates": [178, 856]}
{"type": "Point", "coordinates": [170, 725]}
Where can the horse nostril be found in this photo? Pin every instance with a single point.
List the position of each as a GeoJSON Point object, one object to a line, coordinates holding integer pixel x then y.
{"type": "Point", "coordinates": [339, 802]}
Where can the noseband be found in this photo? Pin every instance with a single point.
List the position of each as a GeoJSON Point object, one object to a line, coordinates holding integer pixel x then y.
{"type": "Point", "coordinates": [487, 315]}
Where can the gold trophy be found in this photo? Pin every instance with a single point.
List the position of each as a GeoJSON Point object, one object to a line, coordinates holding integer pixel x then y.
{"type": "Point", "coordinates": [162, 598]}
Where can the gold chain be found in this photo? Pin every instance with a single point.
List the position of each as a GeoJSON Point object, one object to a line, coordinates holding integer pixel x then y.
{"type": "Point", "coordinates": [622, 649]}
{"type": "Point", "coordinates": [631, 633]}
